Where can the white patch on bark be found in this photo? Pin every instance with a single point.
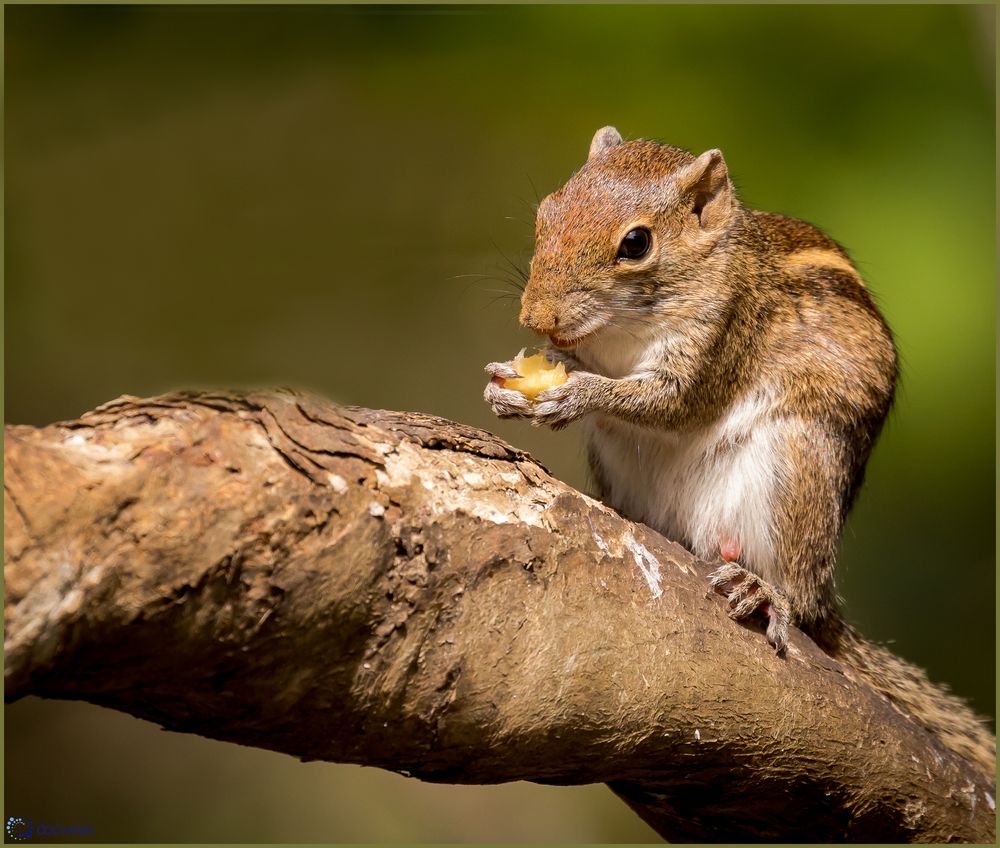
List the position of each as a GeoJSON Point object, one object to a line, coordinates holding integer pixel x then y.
{"type": "Point", "coordinates": [598, 538]}
{"type": "Point", "coordinates": [648, 564]}
{"type": "Point", "coordinates": [447, 491]}
{"type": "Point", "coordinates": [338, 483]}
{"type": "Point", "coordinates": [91, 447]}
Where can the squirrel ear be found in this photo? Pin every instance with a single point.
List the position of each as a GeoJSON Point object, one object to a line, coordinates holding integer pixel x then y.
{"type": "Point", "coordinates": [705, 185]}
{"type": "Point", "coordinates": [604, 138]}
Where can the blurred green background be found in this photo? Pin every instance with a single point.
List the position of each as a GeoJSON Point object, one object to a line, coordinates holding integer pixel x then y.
{"type": "Point", "coordinates": [201, 196]}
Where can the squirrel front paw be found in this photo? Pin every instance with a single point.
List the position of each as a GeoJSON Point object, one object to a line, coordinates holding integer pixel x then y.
{"type": "Point", "coordinates": [563, 404]}
{"type": "Point", "coordinates": [555, 407]}
{"type": "Point", "coordinates": [505, 403]}
{"type": "Point", "coordinates": [747, 593]}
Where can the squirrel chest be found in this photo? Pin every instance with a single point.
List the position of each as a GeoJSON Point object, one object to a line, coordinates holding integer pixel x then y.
{"type": "Point", "coordinates": [707, 487]}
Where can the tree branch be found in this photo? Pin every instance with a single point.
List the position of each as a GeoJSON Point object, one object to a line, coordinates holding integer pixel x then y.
{"type": "Point", "coordinates": [400, 591]}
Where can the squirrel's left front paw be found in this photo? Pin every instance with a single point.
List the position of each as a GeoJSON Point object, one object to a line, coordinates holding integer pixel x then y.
{"type": "Point", "coordinates": [560, 405]}
{"type": "Point", "coordinates": [747, 593]}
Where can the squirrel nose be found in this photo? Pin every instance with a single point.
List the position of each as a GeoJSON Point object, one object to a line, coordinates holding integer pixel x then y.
{"type": "Point", "coordinates": [540, 317]}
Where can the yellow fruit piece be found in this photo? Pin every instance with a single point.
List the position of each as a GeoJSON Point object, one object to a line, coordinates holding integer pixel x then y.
{"type": "Point", "coordinates": [537, 375]}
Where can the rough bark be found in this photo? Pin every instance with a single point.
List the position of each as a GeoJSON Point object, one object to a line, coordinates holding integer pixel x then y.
{"type": "Point", "coordinates": [401, 591]}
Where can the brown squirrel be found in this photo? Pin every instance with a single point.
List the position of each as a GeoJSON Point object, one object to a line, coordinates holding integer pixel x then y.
{"type": "Point", "coordinates": [733, 373]}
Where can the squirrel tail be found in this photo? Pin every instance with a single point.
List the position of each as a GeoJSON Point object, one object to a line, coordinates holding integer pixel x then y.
{"type": "Point", "coordinates": [933, 706]}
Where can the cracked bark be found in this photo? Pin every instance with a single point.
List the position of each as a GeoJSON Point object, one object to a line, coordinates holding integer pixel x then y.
{"type": "Point", "coordinates": [396, 590]}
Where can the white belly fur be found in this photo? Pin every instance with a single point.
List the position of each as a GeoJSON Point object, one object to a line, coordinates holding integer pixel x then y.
{"type": "Point", "coordinates": [702, 487]}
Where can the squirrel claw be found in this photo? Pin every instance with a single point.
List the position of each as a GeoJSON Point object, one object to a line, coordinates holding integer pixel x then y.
{"type": "Point", "coordinates": [506, 403]}
{"type": "Point", "coordinates": [501, 369]}
{"type": "Point", "coordinates": [747, 593]}
{"type": "Point", "coordinates": [565, 403]}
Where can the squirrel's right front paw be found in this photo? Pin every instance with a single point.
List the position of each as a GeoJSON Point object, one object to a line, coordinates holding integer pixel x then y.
{"type": "Point", "coordinates": [505, 403]}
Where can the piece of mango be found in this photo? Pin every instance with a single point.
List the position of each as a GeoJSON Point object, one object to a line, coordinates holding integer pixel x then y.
{"type": "Point", "coordinates": [537, 375]}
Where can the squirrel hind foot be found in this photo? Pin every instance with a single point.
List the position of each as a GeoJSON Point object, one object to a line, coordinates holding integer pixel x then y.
{"type": "Point", "coordinates": [747, 594]}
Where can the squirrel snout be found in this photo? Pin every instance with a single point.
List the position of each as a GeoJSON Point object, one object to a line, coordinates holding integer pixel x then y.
{"type": "Point", "coordinates": [542, 318]}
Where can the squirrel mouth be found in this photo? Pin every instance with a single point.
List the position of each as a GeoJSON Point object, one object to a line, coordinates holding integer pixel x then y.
{"type": "Point", "coordinates": [558, 342]}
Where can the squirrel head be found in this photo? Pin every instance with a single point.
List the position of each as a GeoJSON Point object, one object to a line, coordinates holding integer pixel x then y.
{"type": "Point", "coordinates": [630, 234]}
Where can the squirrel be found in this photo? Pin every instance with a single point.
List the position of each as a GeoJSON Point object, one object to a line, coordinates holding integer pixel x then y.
{"type": "Point", "coordinates": [732, 373]}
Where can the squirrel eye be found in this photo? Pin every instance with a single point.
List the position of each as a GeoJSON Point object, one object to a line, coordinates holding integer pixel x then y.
{"type": "Point", "coordinates": [635, 245]}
